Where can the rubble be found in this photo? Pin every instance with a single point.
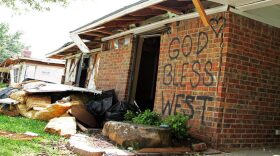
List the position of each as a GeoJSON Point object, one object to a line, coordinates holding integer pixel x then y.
{"type": "Point", "coordinates": [82, 115]}
{"type": "Point", "coordinates": [52, 111]}
{"type": "Point", "coordinates": [19, 96]}
{"type": "Point", "coordinates": [63, 126]}
{"type": "Point", "coordinates": [37, 101]}
{"type": "Point", "coordinates": [92, 146]}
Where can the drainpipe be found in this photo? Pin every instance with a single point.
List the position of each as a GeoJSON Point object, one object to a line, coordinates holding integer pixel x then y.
{"type": "Point", "coordinates": [84, 49]}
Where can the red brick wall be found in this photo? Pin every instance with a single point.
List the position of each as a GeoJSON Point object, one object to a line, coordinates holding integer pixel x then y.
{"type": "Point", "coordinates": [233, 96]}
{"type": "Point", "coordinates": [237, 107]}
{"type": "Point", "coordinates": [114, 70]}
{"type": "Point", "coordinates": [189, 80]}
{"type": "Point", "coordinates": [252, 79]}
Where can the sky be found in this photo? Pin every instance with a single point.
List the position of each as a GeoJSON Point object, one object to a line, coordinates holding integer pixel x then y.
{"type": "Point", "coordinates": [46, 31]}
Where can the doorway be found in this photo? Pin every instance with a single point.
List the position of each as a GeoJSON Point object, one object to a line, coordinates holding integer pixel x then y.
{"type": "Point", "coordinates": [147, 72]}
{"type": "Point", "coordinates": [81, 78]}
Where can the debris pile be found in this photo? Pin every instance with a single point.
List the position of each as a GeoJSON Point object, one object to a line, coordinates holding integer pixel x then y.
{"type": "Point", "coordinates": [65, 107]}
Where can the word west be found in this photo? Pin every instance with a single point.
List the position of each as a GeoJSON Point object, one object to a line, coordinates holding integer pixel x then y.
{"type": "Point", "coordinates": [177, 102]}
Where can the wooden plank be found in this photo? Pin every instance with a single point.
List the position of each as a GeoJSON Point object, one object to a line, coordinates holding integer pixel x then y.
{"type": "Point", "coordinates": [162, 23]}
{"type": "Point", "coordinates": [79, 42]}
{"type": "Point", "coordinates": [94, 34]}
{"type": "Point", "coordinates": [120, 14]}
{"type": "Point", "coordinates": [201, 11]}
{"type": "Point", "coordinates": [104, 32]}
{"type": "Point", "coordinates": [160, 7]}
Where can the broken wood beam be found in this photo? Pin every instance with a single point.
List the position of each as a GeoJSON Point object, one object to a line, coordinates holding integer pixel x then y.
{"type": "Point", "coordinates": [104, 32]}
{"type": "Point", "coordinates": [200, 9]}
{"type": "Point", "coordinates": [160, 7]}
{"type": "Point", "coordinates": [95, 34]}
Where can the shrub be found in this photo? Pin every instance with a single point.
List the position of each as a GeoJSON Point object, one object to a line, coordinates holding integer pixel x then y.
{"type": "Point", "coordinates": [147, 118]}
{"type": "Point", "coordinates": [129, 115]}
{"type": "Point", "coordinates": [177, 124]}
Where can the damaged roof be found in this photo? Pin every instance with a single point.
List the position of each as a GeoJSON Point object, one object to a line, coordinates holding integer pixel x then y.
{"type": "Point", "coordinates": [15, 60]}
{"type": "Point", "coordinates": [126, 18]}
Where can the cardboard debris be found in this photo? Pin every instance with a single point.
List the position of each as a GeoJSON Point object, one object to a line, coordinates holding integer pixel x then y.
{"type": "Point", "coordinates": [37, 101]}
{"type": "Point", "coordinates": [52, 111]}
{"type": "Point", "coordinates": [63, 126]}
{"type": "Point", "coordinates": [82, 115]}
{"type": "Point", "coordinates": [19, 96]}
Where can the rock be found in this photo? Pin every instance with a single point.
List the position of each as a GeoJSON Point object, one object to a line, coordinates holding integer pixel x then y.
{"type": "Point", "coordinates": [63, 126]}
{"type": "Point", "coordinates": [82, 145]}
{"type": "Point", "coordinates": [91, 146]}
{"type": "Point", "coordinates": [131, 135]}
{"type": "Point", "coordinates": [199, 147]}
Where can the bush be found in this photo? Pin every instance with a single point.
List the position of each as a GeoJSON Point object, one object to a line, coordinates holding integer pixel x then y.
{"type": "Point", "coordinates": [147, 118]}
{"type": "Point", "coordinates": [129, 115]}
{"type": "Point", "coordinates": [177, 124]}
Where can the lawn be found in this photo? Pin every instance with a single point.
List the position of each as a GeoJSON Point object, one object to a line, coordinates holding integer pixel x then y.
{"type": "Point", "coordinates": [2, 85]}
{"type": "Point", "coordinates": [46, 144]}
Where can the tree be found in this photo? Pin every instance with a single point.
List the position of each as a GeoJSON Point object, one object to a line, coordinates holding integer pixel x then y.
{"type": "Point", "coordinates": [10, 44]}
{"type": "Point", "coordinates": [32, 4]}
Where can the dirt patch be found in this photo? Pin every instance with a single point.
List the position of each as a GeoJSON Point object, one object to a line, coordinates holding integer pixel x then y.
{"type": "Point", "coordinates": [16, 136]}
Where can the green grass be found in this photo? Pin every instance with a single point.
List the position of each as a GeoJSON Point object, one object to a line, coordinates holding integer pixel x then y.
{"type": "Point", "coordinates": [2, 85]}
{"type": "Point", "coordinates": [44, 143]}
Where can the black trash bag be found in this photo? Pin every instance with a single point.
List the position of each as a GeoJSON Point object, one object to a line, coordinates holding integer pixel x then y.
{"type": "Point", "coordinates": [101, 104]}
{"type": "Point", "coordinates": [110, 93]}
{"type": "Point", "coordinates": [99, 107]}
{"type": "Point", "coordinates": [117, 111]}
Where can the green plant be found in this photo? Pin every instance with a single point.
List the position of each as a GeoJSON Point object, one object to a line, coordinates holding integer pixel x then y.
{"type": "Point", "coordinates": [129, 115]}
{"type": "Point", "coordinates": [177, 124]}
{"type": "Point", "coordinates": [147, 118]}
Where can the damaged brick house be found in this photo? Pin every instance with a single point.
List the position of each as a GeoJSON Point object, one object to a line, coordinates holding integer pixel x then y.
{"type": "Point", "coordinates": [225, 76]}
